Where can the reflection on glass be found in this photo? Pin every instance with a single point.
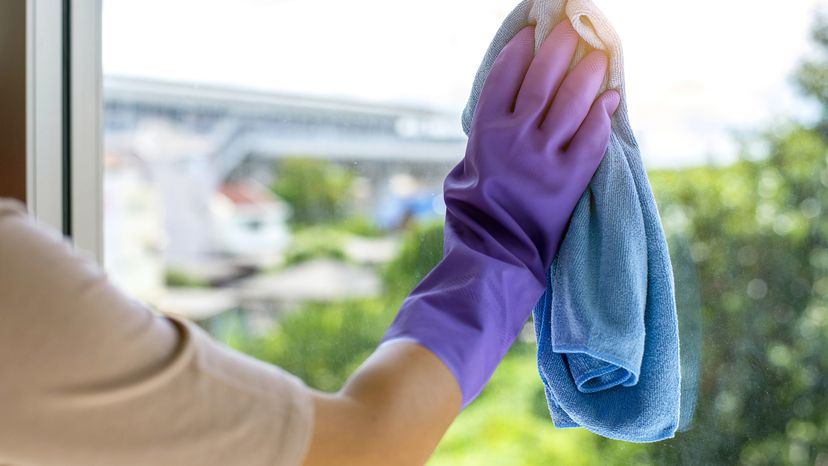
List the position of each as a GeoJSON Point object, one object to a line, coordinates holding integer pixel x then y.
{"type": "Point", "coordinates": [291, 225]}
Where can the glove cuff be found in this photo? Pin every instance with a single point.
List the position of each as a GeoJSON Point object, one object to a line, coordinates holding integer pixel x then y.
{"type": "Point", "coordinates": [468, 311]}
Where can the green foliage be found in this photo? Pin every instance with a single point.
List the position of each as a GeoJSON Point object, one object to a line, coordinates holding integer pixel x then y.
{"type": "Point", "coordinates": [758, 243]}
{"type": "Point", "coordinates": [812, 76]}
{"type": "Point", "coordinates": [315, 242]}
{"type": "Point", "coordinates": [322, 343]}
{"type": "Point", "coordinates": [421, 250]}
{"type": "Point", "coordinates": [177, 278]}
{"type": "Point", "coordinates": [509, 425]}
{"type": "Point", "coordinates": [360, 226]}
{"type": "Point", "coordinates": [316, 190]}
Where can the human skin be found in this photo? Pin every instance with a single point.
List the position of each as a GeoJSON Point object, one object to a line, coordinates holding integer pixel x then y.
{"type": "Point", "coordinates": [393, 411]}
{"type": "Point", "coordinates": [396, 407]}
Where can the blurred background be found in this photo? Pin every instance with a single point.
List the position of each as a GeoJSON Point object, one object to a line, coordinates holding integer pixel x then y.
{"type": "Point", "coordinates": [273, 171]}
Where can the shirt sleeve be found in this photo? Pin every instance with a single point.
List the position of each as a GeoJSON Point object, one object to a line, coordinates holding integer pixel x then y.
{"type": "Point", "coordinates": [91, 377]}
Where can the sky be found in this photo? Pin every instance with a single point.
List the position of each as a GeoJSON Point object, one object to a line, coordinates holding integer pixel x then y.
{"type": "Point", "coordinates": [696, 72]}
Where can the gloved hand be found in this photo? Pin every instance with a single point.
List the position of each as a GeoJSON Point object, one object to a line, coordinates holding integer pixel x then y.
{"type": "Point", "coordinates": [537, 137]}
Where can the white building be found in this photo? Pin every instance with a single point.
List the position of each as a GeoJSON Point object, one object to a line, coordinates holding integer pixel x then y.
{"type": "Point", "coordinates": [250, 223]}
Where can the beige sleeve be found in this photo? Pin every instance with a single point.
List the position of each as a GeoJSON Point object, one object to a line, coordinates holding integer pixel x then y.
{"type": "Point", "coordinates": [89, 377]}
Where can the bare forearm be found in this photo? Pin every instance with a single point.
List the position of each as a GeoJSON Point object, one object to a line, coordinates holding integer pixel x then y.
{"type": "Point", "coordinates": [393, 410]}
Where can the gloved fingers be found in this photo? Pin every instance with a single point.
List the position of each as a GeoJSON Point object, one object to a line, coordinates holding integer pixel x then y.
{"type": "Point", "coordinates": [504, 79]}
{"type": "Point", "coordinates": [574, 98]}
{"type": "Point", "coordinates": [547, 70]}
{"type": "Point", "coordinates": [592, 138]}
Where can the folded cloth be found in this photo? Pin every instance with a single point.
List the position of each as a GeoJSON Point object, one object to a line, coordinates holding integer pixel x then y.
{"type": "Point", "coordinates": [607, 330]}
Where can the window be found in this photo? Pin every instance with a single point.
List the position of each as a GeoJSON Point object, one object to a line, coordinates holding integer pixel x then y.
{"type": "Point", "coordinates": [273, 171]}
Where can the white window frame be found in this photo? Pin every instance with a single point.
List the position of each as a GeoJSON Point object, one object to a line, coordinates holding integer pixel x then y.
{"type": "Point", "coordinates": [64, 146]}
{"type": "Point", "coordinates": [87, 128]}
{"type": "Point", "coordinates": [44, 108]}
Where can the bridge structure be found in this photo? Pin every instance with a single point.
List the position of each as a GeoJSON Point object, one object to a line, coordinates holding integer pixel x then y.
{"type": "Point", "coordinates": [184, 141]}
{"type": "Point", "coordinates": [238, 125]}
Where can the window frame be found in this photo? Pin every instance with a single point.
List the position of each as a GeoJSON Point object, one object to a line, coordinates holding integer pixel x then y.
{"type": "Point", "coordinates": [64, 119]}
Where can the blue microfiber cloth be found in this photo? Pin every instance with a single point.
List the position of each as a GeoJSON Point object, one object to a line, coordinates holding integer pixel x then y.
{"type": "Point", "coordinates": [606, 326]}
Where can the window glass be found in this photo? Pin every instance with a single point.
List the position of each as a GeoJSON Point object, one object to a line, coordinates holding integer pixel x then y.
{"type": "Point", "coordinates": [274, 169]}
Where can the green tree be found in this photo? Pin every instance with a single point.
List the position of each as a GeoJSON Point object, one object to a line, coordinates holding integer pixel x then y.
{"type": "Point", "coordinates": [812, 75]}
{"type": "Point", "coordinates": [317, 191]}
{"type": "Point", "coordinates": [321, 343]}
{"type": "Point", "coordinates": [421, 250]}
{"type": "Point", "coordinates": [761, 248]}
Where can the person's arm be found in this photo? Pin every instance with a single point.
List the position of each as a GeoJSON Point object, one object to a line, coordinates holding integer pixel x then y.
{"type": "Point", "coordinates": [537, 138]}
{"type": "Point", "coordinates": [394, 410]}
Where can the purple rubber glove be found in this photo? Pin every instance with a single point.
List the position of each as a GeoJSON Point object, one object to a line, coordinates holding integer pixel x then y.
{"type": "Point", "coordinates": [529, 159]}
